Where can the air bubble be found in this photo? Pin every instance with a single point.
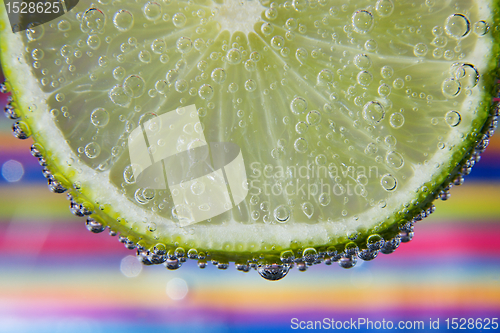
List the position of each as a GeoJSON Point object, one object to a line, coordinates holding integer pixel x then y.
{"type": "Point", "coordinates": [277, 42]}
{"type": "Point", "coordinates": [308, 209]}
{"type": "Point", "coordinates": [373, 112]}
{"type": "Point", "coordinates": [300, 145]}
{"type": "Point", "coordinates": [451, 87]}
{"type": "Point", "coordinates": [384, 8]}
{"type": "Point", "coordinates": [179, 20]}
{"type": "Point", "coordinates": [206, 92]}
{"type": "Point", "coordinates": [152, 10]}
{"type": "Point", "coordinates": [135, 84]}
{"type": "Point", "coordinates": [362, 21]}
{"type": "Point", "coordinates": [394, 159]}
{"type": "Point", "coordinates": [453, 118]}
{"type": "Point", "coordinates": [313, 117]}
{"type": "Point", "coordinates": [93, 20]}
{"type": "Point", "coordinates": [120, 95]}
{"type": "Point", "coordinates": [99, 117]}
{"type": "Point", "coordinates": [386, 72]}
{"type": "Point", "coordinates": [92, 150]}
{"type": "Point", "coordinates": [384, 90]}
{"type": "Point", "coordinates": [362, 61]}
{"type": "Point", "coordinates": [388, 182]}
{"type": "Point", "coordinates": [324, 199]}
{"type": "Point", "coordinates": [397, 120]}
{"type": "Point", "coordinates": [282, 214]}
{"type": "Point", "coordinates": [123, 20]}
{"type": "Point", "coordinates": [158, 46]}
{"type": "Point", "coordinates": [250, 85]}
{"type": "Point", "coordinates": [184, 44]}
{"type": "Point", "coordinates": [420, 50]}
{"type": "Point", "coordinates": [233, 56]}
{"type": "Point", "coordinates": [364, 78]}
{"type": "Point", "coordinates": [301, 127]}
{"type": "Point", "coordinates": [298, 105]}
{"type": "Point", "coordinates": [218, 75]}
{"type": "Point", "coordinates": [325, 76]}
{"type": "Point", "coordinates": [457, 26]}
{"type": "Point", "coordinates": [481, 28]}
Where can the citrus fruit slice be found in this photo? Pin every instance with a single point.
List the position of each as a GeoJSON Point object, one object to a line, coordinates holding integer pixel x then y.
{"type": "Point", "coordinates": [269, 134]}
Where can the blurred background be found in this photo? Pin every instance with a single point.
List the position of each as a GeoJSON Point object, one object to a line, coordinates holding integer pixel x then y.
{"type": "Point", "coordinates": [55, 276]}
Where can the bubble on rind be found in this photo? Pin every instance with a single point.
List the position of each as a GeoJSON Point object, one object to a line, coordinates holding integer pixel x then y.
{"type": "Point", "coordinates": [273, 272]}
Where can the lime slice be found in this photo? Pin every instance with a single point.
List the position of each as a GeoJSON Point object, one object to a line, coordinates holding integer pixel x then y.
{"type": "Point", "coordinates": [269, 134]}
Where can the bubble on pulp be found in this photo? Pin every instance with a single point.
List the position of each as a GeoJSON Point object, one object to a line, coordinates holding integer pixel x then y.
{"type": "Point", "coordinates": [184, 44]}
{"type": "Point", "coordinates": [384, 8]}
{"type": "Point", "coordinates": [298, 105]}
{"type": "Point", "coordinates": [152, 10]}
{"type": "Point", "coordinates": [277, 42]}
{"type": "Point", "coordinates": [325, 76]}
{"type": "Point", "coordinates": [301, 55]}
{"type": "Point", "coordinates": [362, 21]}
{"type": "Point", "coordinates": [373, 112]}
{"type": "Point", "coordinates": [92, 150]}
{"type": "Point", "coordinates": [308, 209]}
{"type": "Point", "coordinates": [123, 20]}
{"type": "Point", "coordinates": [384, 90]}
{"type": "Point", "coordinates": [313, 118]}
{"type": "Point", "coordinates": [420, 50]}
{"type": "Point", "coordinates": [481, 28]}
{"type": "Point", "coordinates": [206, 92]}
{"type": "Point", "coordinates": [12, 171]}
{"type": "Point", "coordinates": [233, 56]}
{"type": "Point", "coordinates": [453, 118]}
{"type": "Point", "coordinates": [177, 289]}
{"type": "Point", "coordinates": [397, 120]}
{"type": "Point", "coordinates": [282, 214]}
{"type": "Point", "coordinates": [394, 159]}
{"type": "Point", "coordinates": [467, 74]}
{"type": "Point", "coordinates": [250, 85]}
{"type": "Point", "coordinates": [388, 182]}
{"type": "Point", "coordinates": [451, 87]}
{"type": "Point", "coordinates": [457, 26]}
{"type": "Point", "coordinates": [218, 75]}
{"type": "Point", "coordinates": [179, 20]}
{"type": "Point", "coordinates": [300, 145]}
{"type": "Point", "coordinates": [362, 61]}
{"type": "Point", "coordinates": [93, 20]}
{"type": "Point", "coordinates": [99, 117]}
{"type": "Point", "coordinates": [300, 5]}
{"type": "Point", "coordinates": [120, 95]}
{"type": "Point", "coordinates": [135, 85]}
{"type": "Point", "coordinates": [119, 73]}
{"type": "Point", "coordinates": [387, 72]}
{"type": "Point", "coordinates": [301, 127]}
{"type": "Point", "coordinates": [324, 199]}
{"type": "Point", "coordinates": [364, 78]}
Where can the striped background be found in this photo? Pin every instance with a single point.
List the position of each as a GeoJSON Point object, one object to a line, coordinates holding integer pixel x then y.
{"type": "Point", "coordinates": [55, 276]}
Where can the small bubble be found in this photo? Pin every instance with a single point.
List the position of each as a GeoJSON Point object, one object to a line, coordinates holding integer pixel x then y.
{"type": "Point", "coordinates": [313, 117]}
{"type": "Point", "coordinates": [250, 85]}
{"type": "Point", "coordinates": [457, 26]}
{"type": "Point", "coordinates": [298, 105]}
{"type": "Point", "coordinates": [308, 209]}
{"type": "Point", "coordinates": [453, 118]}
{"type": "Point", "coordinates": [398, 83]}
{"type": "Point", "coordinates": [384, 8]}
{"type": "Point", "coordinates": [218, 75]}
{"type": "Point", "coordinates": [135, 85]}
{"type": "Point", "coordinates": [371, 45]}
{"type": "Point", "coordinates": [300, 145]}
{"type": "Point", "coordinates": [282, 214]}
{"type": "Point", "coordinates": [364, 78]}
{"type": "Point", "coordinates": [325, 76]}
{"type": "Point", "coordinates": [92, 150]}
{"type": "Point", "coordinates": [394, 159]}
{"type": "Point", "coordinates": [384, 90]}
{"type": "Point", "coordinates": [301, 55]}
{"type": "Point", "coordinates": [362, 61]}
{"type": "Point", "coordinates": [206, 92]}
{"type": "Point", "coordinates": [99, 117]}
{"type": "Point", "coordinates": [362, 21]}
{"type": "Point", "coordinates": [386, 72]}
{"type": "Point", "coordinates": [277, 42]}
{"type": "Point", "coordinates": [373, 112]}
{"type": "Point", "coordinates": [301, 127]}
{"type": "Point", "coordinates": [397, 120]}
{"type": "Point", "coordinates": [179, 20]}
{"type": "Point", "coordinates": [152, 10]}
{"type": "Point", "coordinates": [158, 46]}
{"type": "Point", "coordinates": [451, 87]}
{"type": "Point", "coordinates": [420, 50]}
{"type": "Point", "coordinates": [233, 56]}
{"type": "Point", "coordinates": [481, 28]}
{"type": "Point", "coordinates": [123, 20]}
{"type": "Point", "coordinates": [93, 20]}
{"type": "Point", "coordinates": [184, 44]}
{"type": "Point", "coordinates": [388, 182]}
